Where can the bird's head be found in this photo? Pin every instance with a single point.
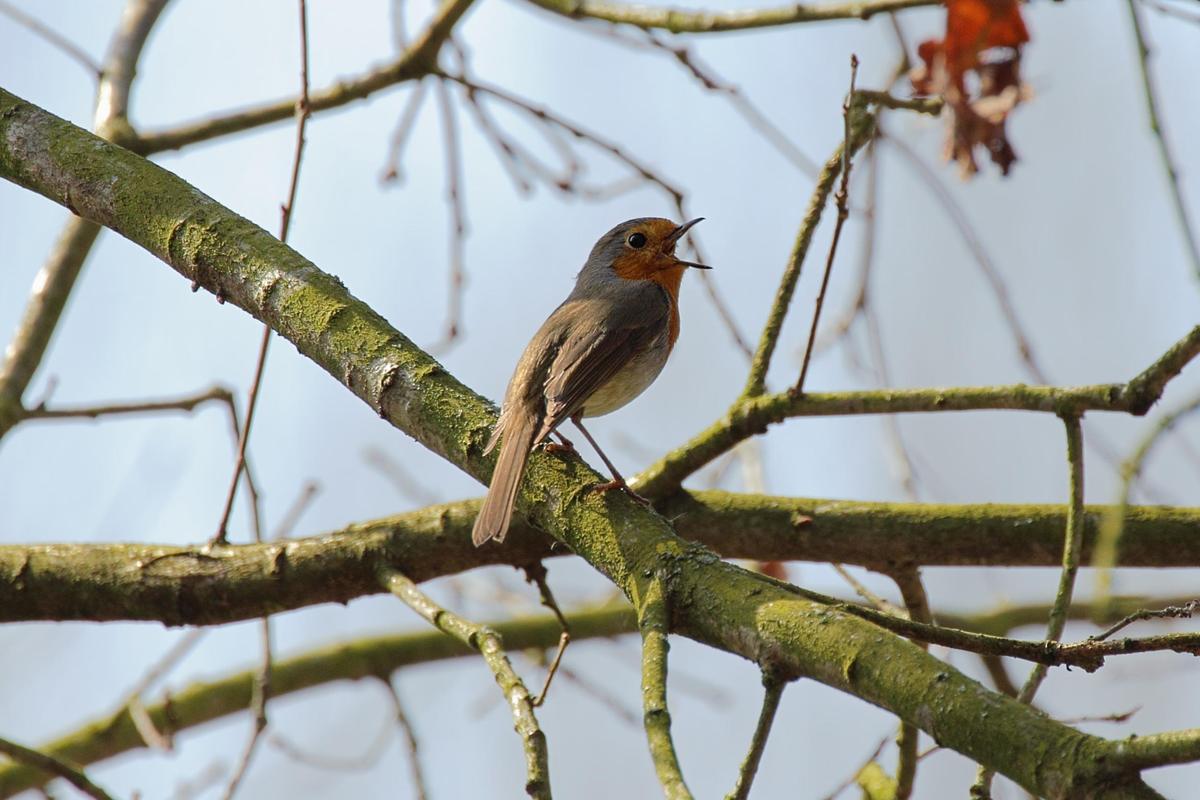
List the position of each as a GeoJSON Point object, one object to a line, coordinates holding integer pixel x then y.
{"type": "Point", "coordinates": [641, 249]}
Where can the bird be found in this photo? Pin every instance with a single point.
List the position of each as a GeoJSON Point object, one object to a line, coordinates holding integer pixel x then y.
{"type": "Point", "coordinates": [597, 351]}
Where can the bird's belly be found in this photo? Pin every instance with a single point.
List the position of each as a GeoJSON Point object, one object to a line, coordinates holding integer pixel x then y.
{"type": "Point", "coordinates": [628, 383]}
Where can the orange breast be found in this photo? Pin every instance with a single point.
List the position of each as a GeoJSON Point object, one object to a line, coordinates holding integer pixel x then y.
{"type": "Point", "coordinates": [656, 269]}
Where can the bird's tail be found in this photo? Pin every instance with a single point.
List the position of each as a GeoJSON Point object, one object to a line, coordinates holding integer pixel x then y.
{"type": "Point", "coordinates": [493, 519]}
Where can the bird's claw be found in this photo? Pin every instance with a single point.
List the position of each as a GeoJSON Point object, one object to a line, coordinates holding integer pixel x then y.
{"type": "Point", "coordinates": [619, 483]}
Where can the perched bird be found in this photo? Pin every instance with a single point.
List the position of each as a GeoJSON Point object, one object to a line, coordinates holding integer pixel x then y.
{"type": "Point", "coordinates": [600, 349]}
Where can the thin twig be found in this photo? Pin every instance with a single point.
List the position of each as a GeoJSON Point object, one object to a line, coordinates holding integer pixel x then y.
{"type": "Point", "coordinates": [551, 120]}
{"type": "Point", "coordinates": [536, 573]}
{"type": "Point", "coordinates": [287, 523]}
{"type": "Point", "coordinates": [410, 741]}
{"type": "Point", "coordinates": [1112, 525]}
{"type": "Point", "coordinates": [1072, 546]}
{"type": "Point", "coordinates": [452, 328]}
{"type": "Point", "coordinates": [841, 201]}
{"type": "Point", "coordinates": [137, 710]}
{"type": "Point", "coordinates": [751, 415]}
{"type": "Point", "coordinates": [404, 483]}
{"type": "Point", "coordinates": [488, 643]}
{"type": "Point", "coordinates": [1172, 11]}
{"type": "Point", "coordinates": [979, 253]}
{"type": "Point", "coordinates": [415, 63]}
{"type": "Point", "coordinates": [259, 696]}
{"type": "Point", "coordinates": [678, 21]}
{"type": "Point", "coordinates": [916, 601]}
{"type": "Point", "coordinates": [302, 113]}
{"type": "Point", "coordinates": [58, 275]}
{"type": "Point", "coordinates": [1160, 135]}
{"type": "Point", "coordinates": [710, 80]}
{"type": "Point", "coordinates": [846, 784]}
{"type": "Point", "coordinates": [39, 28]}
{"type": "Point", "coordinates": [55, 766]}
{"type": "Point", "coordinates": [653, 620]}
{"type": "Point", "coordinates": [773, 687]}
{"type": "Point", "coordinates": [1184, 611]}
{"type": "Point", "coordinates": [863, 591]}
{"type": "Point", "coordinates": [862, 127]}
{"type": "Point", "coordinates": [187, 403]}
{"type": "Point", "coordinates": [393, 170]}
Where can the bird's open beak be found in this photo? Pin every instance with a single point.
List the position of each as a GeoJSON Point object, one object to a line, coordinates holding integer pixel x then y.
{"type": "Point", "coordinates": [677, 234]}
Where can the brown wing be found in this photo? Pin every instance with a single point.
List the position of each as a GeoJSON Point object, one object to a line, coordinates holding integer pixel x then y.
{"type": "Point", "coordinates": [585, 362]}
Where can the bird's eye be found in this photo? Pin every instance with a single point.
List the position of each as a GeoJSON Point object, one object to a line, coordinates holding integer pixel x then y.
{"type": "Point", "coordinates": [637, 240]}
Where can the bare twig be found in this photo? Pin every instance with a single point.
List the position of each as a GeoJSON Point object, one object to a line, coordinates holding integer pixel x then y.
{"type": "Point", "coordinates": [137, 710]}
{"type": "Point", "coordinates": [1072, 546]}
{"type": "Point", "coordinates": [302, 111]}
{"type": "Point", "coordinates": [862, 127]}
{"type": "Point", "coordinates": [862, 590]}
{"type": "Point", "coordinates": [393, 170]}
{"type": "Point", "coordinates": [710, 80]}
{"type": "Point", "coordinates": [400, 478]}
{"type": "Point", "coordinates": [259, 696]}
{"type": "Point", "coordinates": [916, 601]}
{"type": "Point", "coordinates": [536, 573]}
{"type": "Point", "coordinates": [414, 63]}
{"type": "Point", "coordinates": [187, 403]}
{"type": "Point", "coordinates": [653, 620]}
{"type": "Point", "coordinates": [452, 327]}
{"type": "Point", "coordinates": [287, 523]}
{"type": "Point", "coordinates": [979, 253]}
{"type": "Point", "coordinates": [1171, 11]}
{"type": "Point", "coordinates": [489, 645]}
{"type": "Point", "coordinates": [1184, 611]}
{"type": "Point", "coordinates": [56, 279]}
{"type": "Point", "coordinates": [1164, 150]}
{"type": "Point", "coordinates": [678, 21]}
{"type": "Point", "coordinates": [772, 692]}
{"type": "Point", "coordinates": [410, 741]}
{"type": "Point", "coordinates": [62, 43]}
{"type": "Point", "coordinates": [750, 415]}
{"type": "Point", "coordinates": [55, 766]}
{"type": "Point", "coordinates": [841, 201]}
{"type": "Point", "coordinates": [846, 784]}
{"type": "Point", "coordinates": [1108, 541]}
{"type": "Point", "coordinates": [566, 183]}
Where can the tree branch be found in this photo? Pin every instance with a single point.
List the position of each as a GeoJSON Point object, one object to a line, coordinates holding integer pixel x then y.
{"type": "Point", "coordinates": [184, 586]}
{"type": "Point", "coordinates": [488, 643]}
{"type": "Point", "coordinates": [417, 61]}
{"type": "Point", "coordinates": [653, 622]}
{"type": "Point", "coordinates": [750, 415]}
{"type": "Point", "coordinates": [680, 21]}
{"type": "Point", "coordinates": [376, 657]}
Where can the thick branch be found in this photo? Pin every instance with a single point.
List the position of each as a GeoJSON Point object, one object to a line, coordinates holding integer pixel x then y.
{"type": "Point", "coordinates": [183, 586]}
{"type": "Point", "coordinates": [712, 602]}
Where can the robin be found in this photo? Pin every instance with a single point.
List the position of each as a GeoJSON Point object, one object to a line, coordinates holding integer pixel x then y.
{"type": "Point", "coordinates": [600, 349]}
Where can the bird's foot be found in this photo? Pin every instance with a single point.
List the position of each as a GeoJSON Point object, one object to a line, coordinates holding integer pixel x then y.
{"type": "Point", "coordinates": [619, 483]}
{"type": "Point", "coordinates": [554, 447]}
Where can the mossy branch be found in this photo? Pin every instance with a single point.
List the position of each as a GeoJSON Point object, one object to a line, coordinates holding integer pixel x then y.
{"type": "Point", "coordinates": [184, 586]}
{"type": "Point", "coordinates": [374, 657]}
{"type": "Point", "coordinates": [712, 602]}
